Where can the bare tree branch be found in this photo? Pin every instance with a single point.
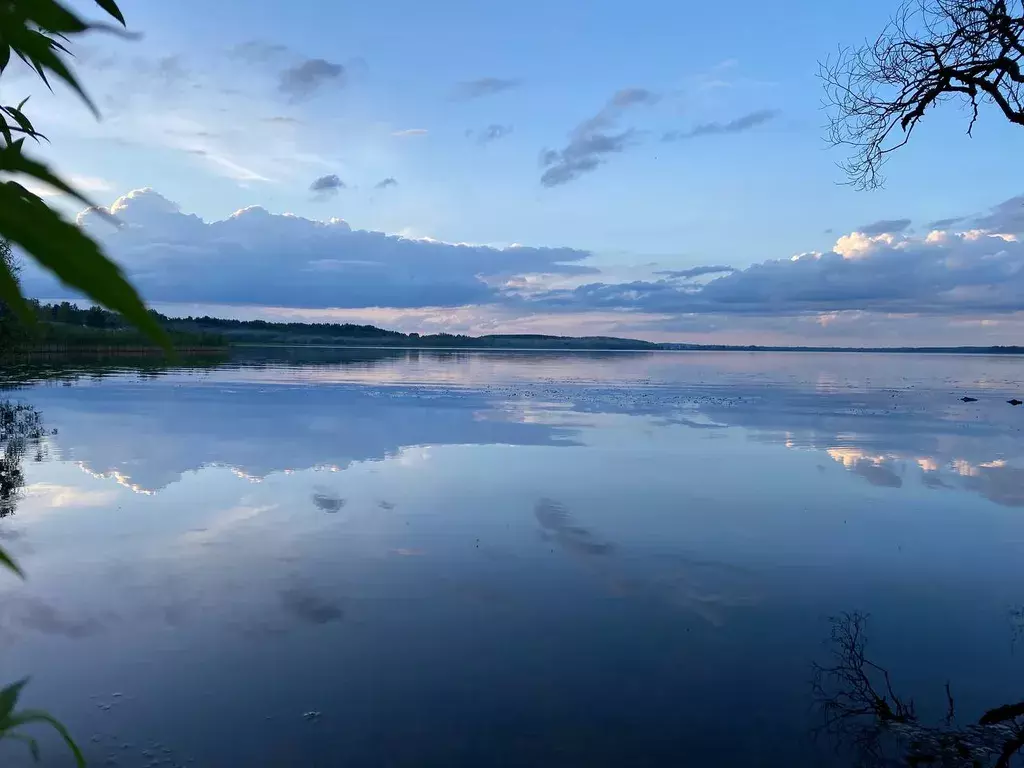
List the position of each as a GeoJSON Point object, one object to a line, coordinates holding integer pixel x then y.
{"type": "Point", "coordinates": [861, 711]}
{"type": "Point", "coordinates": [932, 51]}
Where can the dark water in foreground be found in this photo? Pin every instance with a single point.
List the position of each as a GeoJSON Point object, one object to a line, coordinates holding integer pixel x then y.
{"type": "Point", "coordinates": [466, 559]}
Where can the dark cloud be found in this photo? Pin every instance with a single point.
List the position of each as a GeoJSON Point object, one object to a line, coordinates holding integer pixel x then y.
{"type": "Point", "coordinates": [485, 86]}
{"type": "Point", "coordinates": [967, 273]}
{"type": "Point", "coordinates": [491, 133]}
{"type": "Point", "coordinates": [303, 80]}
{"type": "Point", "coordinates": [328, 502]}
{"type": "Point", "coordinates": [36, 615]}
{"type": "Point", "coordinates": [689, 274]}
{"type": "Point", "coordinates": [327, 185]}
{"type": "Point", "coordinates": [877, 474]}
{"type": "Point", "coordinates": [884, 226]}
{"type": "Point", "coordinates": [1007, 217]}
{"type": "Point", "coordinates": [558, 523]}
{"type": "Point", "coordinates": [589, 143]}
{"type": "Point", "coordinates": [740, 124]}
{"type": "Point", "coordinates": [255, 257]}
{"type": "Point", "coordinates": [310, 608]}
{"type": "Point", "coordinates": [390, 181]}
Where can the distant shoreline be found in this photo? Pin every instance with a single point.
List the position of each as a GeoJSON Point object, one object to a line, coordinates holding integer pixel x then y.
{"type": "Point", "coordinates": [67, 329]}
{"type": "Point", "coordinates": [652, 347]}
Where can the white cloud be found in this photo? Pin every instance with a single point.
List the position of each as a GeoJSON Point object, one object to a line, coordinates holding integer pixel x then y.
{"type": "Point", "coordinates": [256, 257]}
{"type": "Point", "coordinates": [978, 271]}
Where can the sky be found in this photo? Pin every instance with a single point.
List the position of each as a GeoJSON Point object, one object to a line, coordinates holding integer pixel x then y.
{"type": "Point", "coordinates": [652, 169]}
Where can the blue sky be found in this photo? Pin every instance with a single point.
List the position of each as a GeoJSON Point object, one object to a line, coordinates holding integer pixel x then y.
{"type": "Point", "coordinates": [227, 105]}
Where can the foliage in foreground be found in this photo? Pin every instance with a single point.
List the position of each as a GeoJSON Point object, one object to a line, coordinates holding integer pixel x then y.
{"type": "Point", "coordinates": [36, 32]}
{"type": "Point", "coordinates": [11, 720]}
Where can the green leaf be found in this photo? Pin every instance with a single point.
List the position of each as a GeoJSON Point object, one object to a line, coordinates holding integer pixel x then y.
{"type": "Point", "coordinates": [5, 56]}
{"type": "Point", "coordinates": [13, 161]}
{"type": "Point", "coordinates": [38, 50]}
{"type": "Point", "coordinates": [72, 256]}
{"type": "Point", "coordinates": [54, 17]}
{"type": "Point", "coordinates": [7, 562]}
{"type": "Point", "coordinates": [111, 7]}
{"type": "Point", "coordinates": [38, 716]}
{"type": "Point", "coordinates": [9, 698]}
{"type": "Point", "coordinates": [22, 121]}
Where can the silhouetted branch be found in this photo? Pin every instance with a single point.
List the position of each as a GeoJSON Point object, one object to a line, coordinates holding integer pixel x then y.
{"type": "Point", "coordinates": [861, 710]}
{"type": "Point", "coordinates": [931, 51]}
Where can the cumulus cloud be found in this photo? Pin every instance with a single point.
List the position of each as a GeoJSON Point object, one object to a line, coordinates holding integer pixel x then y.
{"type": "Point", "coordinates": [303, 80]}
{"type": "Point", "coordinates": [694, 272]}
{"type": "Point", "coordinates": [485, 86]}
{"type": "Point", "coordinates": [590, 142]}
{"type": "Point", "coordinates": [327, 185]}
{"type": "Point", "coordinates": [740, 124]}
{"type": "Point", "coordinates": [255, 257]}
{"type": "Point", "coordinates": [491, 133]}
{"type": "Point", "coordinates": [390, 181]}
{"type": "Point", "coordinates": [883, 226]}
{"type": "Point", "coordinates": [943, 273]}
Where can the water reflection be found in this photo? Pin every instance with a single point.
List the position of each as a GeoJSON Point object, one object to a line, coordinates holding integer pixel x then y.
{"type": "Point", "coordinates": [861, 711]}
{"type": "Point", "coordinates": [21, 435]}
{"type": "Point", "coordinates": [561, 559]}
{"type": "Point", "coordinates": [267, 411]}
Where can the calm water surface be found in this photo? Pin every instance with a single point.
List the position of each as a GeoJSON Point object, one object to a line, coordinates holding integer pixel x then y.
{"type": "Point", "coordinates": [389, 558]}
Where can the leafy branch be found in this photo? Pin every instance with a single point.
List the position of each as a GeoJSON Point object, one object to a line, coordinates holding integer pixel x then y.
{"type": "Point", "coordinates": [38, 33]}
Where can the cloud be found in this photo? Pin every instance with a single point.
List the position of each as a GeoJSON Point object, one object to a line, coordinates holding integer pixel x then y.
{"type": "Point", "coordinates": [740, 124]}
{"type": "Point", "coordinates": [282, 120]}
{"type": "Point", "coordinates": [410, 132]}
{"type": "Point", "coordinates": [967, 273]}
{"type": "Point", "coordinates": [589, 142]}
{"type": "Point", "coordinates": [255, 257]}
{"type": "Point", "coordinates": [303, 80]}
{"type": "Point", "coordinates": [491, 133]}
{"type": "Point", "coordinates": [485, 86]}
{"type": "Point", "coordinates": [86, 184]}
{"type": "Point", "coordinates": [327, 185]}
{"type": "Point", "coordinates": [944, 223]}
{"type": "Point", "coordinates": [390, 181]}
{"type": "Point", "coordinates": [328, 502]}
{"type": "Point", "coordinates": [1007, 217]}
{"type": "Point", "coordinates": [883, 226]}
{"type": "Point", "coordinates": [557, 523]}
{"type": "Point", "coordinates": [689, 274]}
{"type": "Point", "coordinates": [309, 607]}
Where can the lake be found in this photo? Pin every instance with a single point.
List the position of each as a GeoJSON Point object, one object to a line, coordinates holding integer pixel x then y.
{"type": "Point", "coordinates": [398, 558]}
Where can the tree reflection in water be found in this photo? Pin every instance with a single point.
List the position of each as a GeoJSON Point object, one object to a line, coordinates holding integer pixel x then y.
{"type": "Point", "coordinates": [861, 712]}
{"type": "Point", "coordinates": [21, 434]}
